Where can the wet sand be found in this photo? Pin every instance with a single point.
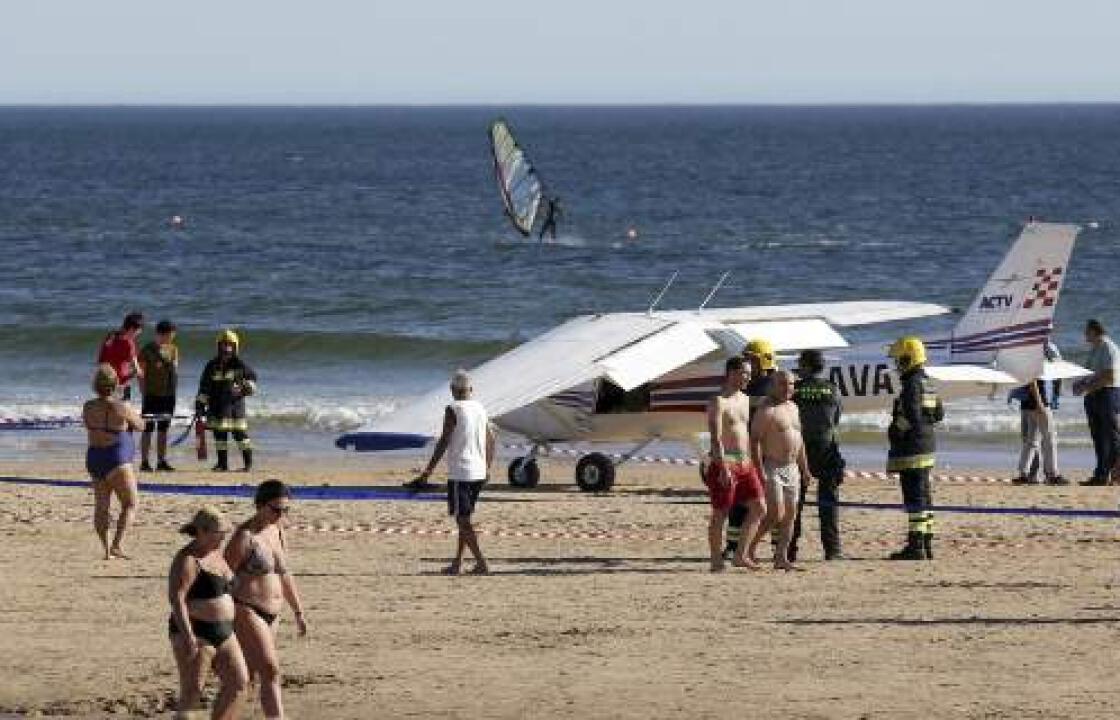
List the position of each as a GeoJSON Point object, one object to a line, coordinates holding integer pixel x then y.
{"type": "Point", "coordinates": [597, 606]}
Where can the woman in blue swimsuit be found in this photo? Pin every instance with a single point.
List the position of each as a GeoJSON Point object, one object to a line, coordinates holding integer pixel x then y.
{"type": "Point", "coordinates": [109, 424]}
{"type": "Point", "coordinates": [201, 622]}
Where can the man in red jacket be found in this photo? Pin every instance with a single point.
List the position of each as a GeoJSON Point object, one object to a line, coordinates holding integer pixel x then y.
{"type": "Point", "coordinates": [119, 350]}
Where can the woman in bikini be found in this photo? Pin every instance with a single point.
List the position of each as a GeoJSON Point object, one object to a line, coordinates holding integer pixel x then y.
{"type": "Point", "coordinates": [261, 586]}
{"type": "Point", "coordinates": [201, 623]}
{"type": "Point", "coordinates": [109, 424]}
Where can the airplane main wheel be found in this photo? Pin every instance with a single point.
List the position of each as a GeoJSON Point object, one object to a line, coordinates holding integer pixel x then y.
{"type": "Point", "coordinates": [524, 473]}
{"type": "Point", "coordinates": [595, 473]}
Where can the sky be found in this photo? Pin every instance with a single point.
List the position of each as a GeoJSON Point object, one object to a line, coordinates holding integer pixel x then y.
{"type": "Point", "coordinates": [558, 52]}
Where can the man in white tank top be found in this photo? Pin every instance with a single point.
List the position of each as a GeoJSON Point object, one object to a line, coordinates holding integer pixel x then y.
{"type": "Point", "coordinates": [468, 440]}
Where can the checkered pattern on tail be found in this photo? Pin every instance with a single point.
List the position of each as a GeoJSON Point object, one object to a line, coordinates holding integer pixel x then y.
{"type": "Point", "coordinates": [1044, 292]}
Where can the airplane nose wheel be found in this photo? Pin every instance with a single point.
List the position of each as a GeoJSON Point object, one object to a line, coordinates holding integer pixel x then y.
{"type": "Point", "coordinates": [595, 473]}
{"type": "Point", "coordinates": [524, 473]}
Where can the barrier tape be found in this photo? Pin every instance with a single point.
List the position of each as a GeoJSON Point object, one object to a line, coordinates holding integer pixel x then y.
{"type": "Point", "coordinates": [957, 539]}
{"type": "Point", "coordinates": [63, 421]}
{"type": "Point", "coordinates": [692, 462]}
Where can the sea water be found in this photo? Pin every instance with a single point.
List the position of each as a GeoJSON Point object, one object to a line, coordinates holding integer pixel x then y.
{"type": "Point", "coordinates": [362, 253]}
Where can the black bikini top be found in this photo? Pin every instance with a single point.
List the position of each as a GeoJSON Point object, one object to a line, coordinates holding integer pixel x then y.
{"type": "Point", "coordinates": [208, 585]}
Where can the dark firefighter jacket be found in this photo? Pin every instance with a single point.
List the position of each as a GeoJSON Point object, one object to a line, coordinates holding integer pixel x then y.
{"type": "Point", "coordinates": [916, 410]}
{"type": "Point", "coordinates": [215, 389]}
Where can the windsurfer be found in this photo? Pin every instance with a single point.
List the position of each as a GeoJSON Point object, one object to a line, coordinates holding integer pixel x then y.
{"type": "Point", "coordinates": [551, 214]}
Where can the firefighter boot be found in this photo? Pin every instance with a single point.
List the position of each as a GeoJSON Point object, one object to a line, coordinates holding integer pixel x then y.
{"type": "Point", "coordinates": [914, 549]}
{"type": "Point", "coordinates": [223, 461]}
{"type": "Point", "coordinates": [247, 456]}
{"type": "Point", "coordinates": [927, 545]}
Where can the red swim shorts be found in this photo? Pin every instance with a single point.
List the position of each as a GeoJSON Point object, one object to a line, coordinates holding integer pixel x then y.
{"type": "Point", "coordinates": [745, 485]}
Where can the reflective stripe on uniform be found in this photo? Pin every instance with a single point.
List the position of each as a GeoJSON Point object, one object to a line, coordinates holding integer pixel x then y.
{"type": "Point", "coordinates": [910, 462]}
{"type": "Point", "coordinates": [227, 424]}
{"type": "Point", "coordinates": [920, 522]}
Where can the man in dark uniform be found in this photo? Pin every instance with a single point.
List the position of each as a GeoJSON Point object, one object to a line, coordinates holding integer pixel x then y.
{"type": "Point", "coordinates": [759, 354]}
{"type": "Point", "coordinates": [818, 401]}
{"type": "Point", "coordinates": [226, 382]}
{"type": "Point", "coordinates": [912, 445]}
{"type": "Point", "coordinates": [551, 215]}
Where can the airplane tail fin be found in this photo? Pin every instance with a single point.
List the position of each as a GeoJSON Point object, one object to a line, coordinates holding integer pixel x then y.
{"type": "Point", "coordinates": [1013, 315]}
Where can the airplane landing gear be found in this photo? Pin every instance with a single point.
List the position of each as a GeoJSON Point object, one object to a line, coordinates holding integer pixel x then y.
{"type": "Point", "coordinates": [524, 472]}
{"type": "Point", "coordinates": [595, 473]}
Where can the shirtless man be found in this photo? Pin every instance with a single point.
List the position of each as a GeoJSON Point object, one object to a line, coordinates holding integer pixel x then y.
{"type": "Point", "coordinates": [731, 478]}
{"type": "Point", "coordinates": [777, 445]}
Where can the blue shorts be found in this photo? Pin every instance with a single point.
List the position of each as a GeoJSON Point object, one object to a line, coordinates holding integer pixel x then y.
{"type": "Point", "coordinates": [462, 496]}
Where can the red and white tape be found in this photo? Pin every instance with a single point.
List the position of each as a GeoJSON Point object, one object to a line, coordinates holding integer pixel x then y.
{"type": "Point", "coordinates": [963, 538]}
{"type": "Point", "coordinates": [692, 462]}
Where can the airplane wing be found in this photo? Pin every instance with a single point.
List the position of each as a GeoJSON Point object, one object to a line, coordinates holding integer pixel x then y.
{"type": "Point", "coordinates": [561, 358]}
{"type": "Point", "coordinates": [626, 348]}
{"type": "Point", "coordinates": [840, 314]}
{"type": "Point", "coordinates": [970, 374]}
{"type": "Point", "coordinates": [1063, 370]}
{"type": "Point", "coordinates": [1052, 370]}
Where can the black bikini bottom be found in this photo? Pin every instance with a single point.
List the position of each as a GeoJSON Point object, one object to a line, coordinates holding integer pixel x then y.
{"type": "Point", "coordinates": [268, 617]}
{"type": "Point", "coordinates": [212, 632]}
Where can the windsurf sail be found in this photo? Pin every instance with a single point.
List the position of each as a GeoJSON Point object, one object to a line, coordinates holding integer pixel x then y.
{"type": "Point", "coordinates": [518, 182]}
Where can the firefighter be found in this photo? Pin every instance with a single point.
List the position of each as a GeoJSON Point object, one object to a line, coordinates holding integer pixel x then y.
{"type": "Point", "coordinates": [911, 433]}
{"type": "Point", "coordinates": [818, 401]}
{"type": "Point", "coordinates": [759, 353]}
{"type": "Point", "coordinates": [226, 382]}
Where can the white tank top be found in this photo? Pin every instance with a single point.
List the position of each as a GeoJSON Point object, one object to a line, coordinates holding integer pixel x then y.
{"type": "Point", "coordinates": [466, 455]}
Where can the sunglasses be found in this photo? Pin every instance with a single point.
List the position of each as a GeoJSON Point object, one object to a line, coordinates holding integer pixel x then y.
{"type": "Point", "coordinates": [280, 509]}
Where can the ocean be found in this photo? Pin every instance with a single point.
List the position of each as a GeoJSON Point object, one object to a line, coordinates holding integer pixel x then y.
{"type": "Point", "coordinates": [362, 252]}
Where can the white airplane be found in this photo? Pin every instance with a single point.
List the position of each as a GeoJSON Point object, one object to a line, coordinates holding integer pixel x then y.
{"type": "Point", "coordinates": [642, 377]}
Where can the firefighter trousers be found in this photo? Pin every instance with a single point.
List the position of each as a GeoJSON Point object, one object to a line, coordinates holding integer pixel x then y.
{"type": "Point", "coordinates": [917, 497]}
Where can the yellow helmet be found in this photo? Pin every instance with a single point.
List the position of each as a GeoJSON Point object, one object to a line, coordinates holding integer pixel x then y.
{"type": "Point", "coordinates": [763, 349]}
{"type": "Point", "coordinates": [228, 336]}
{"type": "Point", "coordinates": [908, 352]}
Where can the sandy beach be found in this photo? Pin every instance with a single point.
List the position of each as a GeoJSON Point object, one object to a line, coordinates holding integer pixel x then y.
{"type": "Point", "coordinates": [597, 606]}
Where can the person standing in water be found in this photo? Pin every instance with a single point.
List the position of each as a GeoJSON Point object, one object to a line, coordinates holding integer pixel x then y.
{"type": "Point", "coordinates": [553, 211]}
{"type": "Point", "coordinates": [226, 382]}
{"type": "Point", "coordinates": [468, 441]}
{"type": "Point", "coordinates": [109, 423]}
{"type": "Point", "coordinates": [160, 362]}
{"type": "Point", "coordinates": [262, 584]}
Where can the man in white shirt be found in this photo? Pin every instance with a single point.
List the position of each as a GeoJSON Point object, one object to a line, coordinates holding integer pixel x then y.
{"type": "Point", "coordinates": [1102, 402]}
{"type": "Point", "coordinates": [468, 440]}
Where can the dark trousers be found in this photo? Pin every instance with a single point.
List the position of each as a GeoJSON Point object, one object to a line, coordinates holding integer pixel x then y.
{"type": "Point", "coordinates": [827, 467]}
{"type": "Point", "coordinates": [221, 439]}
{"type": "Point", "coordinates": [1101, 408]}
{"type": "Point", "coordinates": [917, 496]}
